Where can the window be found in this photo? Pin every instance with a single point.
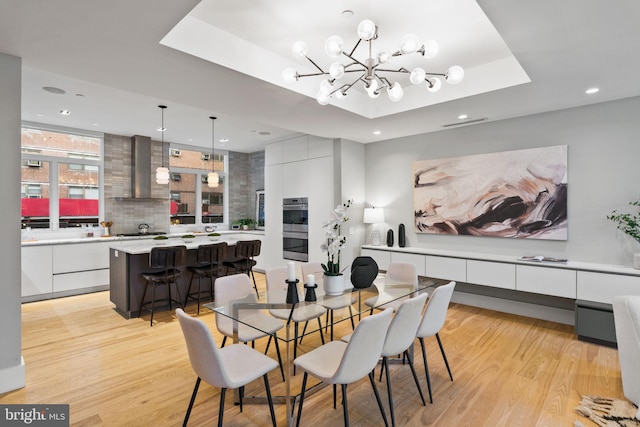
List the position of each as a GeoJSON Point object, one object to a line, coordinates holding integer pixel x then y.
{"type": "Point", "coordinates": [190, 190]}
{"type": "Point", "coordinates": [60, 178]}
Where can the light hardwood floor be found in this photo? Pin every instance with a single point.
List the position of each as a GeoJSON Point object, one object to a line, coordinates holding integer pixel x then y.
{"type": "Point", "coordinates": [508, 371]}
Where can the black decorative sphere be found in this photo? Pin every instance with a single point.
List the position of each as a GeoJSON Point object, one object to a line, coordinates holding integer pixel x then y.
{"type": "Point", "coordinates": [364, 271]}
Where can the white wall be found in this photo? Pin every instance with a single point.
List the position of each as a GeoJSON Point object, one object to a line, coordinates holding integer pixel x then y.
{"type": "Point", "coordinates": [603, 174]}
{"type": "Point", "coordinates": [12, 375]}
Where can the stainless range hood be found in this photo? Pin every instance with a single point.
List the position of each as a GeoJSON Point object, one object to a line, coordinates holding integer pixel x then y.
{"type": "Point", "coordinates": [141, 171]}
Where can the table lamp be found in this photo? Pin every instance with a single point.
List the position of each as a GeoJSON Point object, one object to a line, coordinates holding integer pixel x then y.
{"type": "Point", "coordinates": [374, 216]}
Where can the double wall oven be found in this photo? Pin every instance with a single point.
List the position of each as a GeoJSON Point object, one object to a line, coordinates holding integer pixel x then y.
{"type": "Point", "coordinates": [295, 229]}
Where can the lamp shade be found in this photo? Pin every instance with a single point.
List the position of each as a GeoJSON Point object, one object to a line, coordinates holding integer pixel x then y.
{"type": "Point", "coordinates": [373, 215]}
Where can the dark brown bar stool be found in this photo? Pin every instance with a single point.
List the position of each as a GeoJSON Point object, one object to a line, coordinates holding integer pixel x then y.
{"type": "Point", "coordinates": [164, 262]}
{"type": "Point", "coordinates": [243, 260]}
{"type": "Point", "coordinates": [209, 265]}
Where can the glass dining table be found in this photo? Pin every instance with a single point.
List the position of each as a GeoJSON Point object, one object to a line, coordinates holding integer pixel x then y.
{"type": "Point", "coordinates": [244, 311]}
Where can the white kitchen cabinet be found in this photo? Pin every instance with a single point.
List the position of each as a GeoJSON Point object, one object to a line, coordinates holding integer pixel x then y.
{"type": "Point", "coordinates": [319, 147]}
{"type": "Point", "coordinates": [446, 268]}
{"type": "Point", "coordinates": [67, 267]}
{"type": "Point", "coordinates": [295, 149]}
{"type": "Point", "coordinates": [37, 270]}
{"type": "Point", "coordinates": [494, 274]}
{"type": "Point", "coordinates": [80, 280]}
{"type": "Point", "coordinates": [548, 281]}
{"type": "Point", "coordinates": [295, 180]}
{"type": "Point", "coordinates": [416, 259]}
{"type": "Point", "coordinates": [80, 257]}
{"type": "Point", "coordinates": [602, 287]}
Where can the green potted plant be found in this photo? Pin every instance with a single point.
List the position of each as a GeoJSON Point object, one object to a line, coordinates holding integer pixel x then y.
{"type": "Point", "coordinates": [188, 238]}
{"type": "Point", "coordinates": [246, 222]}
{"type": "Point", "coordinates": [630, 225]}
{"type": "Point", "coordinates": [213, 236]}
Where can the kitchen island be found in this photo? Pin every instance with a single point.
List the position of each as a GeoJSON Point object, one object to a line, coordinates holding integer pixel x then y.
{"type": "Point", "coordinates": [127, 259]}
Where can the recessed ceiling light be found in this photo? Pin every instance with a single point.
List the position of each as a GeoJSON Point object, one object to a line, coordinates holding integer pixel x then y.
{"type": "Point", "coordinates": [40, 115]}
{"type": "Point", "coordinates": [347, 13]}
{"type": "Point", "coordinates": [55, 90]}
{"type": "Point", "coordinates": [161, 129]}
{"type": "Point", "coordinates": [463, 116]}
{"type": "Point", "coordinates": [592, 90]}
{"type": "Point", "coordinates": [224, 140]}
{"type": "Point", "coordinates": [264, 133]}
{"type": "Point", "coordinates": [376, 132]}
{"type": "Point", "coordinates": [65, 112]}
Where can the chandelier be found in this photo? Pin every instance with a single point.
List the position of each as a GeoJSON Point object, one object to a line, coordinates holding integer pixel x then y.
{"type": "Point", "coordinates": [213, 180]}
{"type": "Point", "coordinates": [162, 172]}
{"type": "Point", "coordinates": [370, 71]}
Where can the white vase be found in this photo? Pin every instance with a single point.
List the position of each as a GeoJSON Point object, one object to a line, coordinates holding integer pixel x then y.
{"type": "Point", "coordinates": [333, 285]}
{"type": "Point", "coordinates": [636, 260]}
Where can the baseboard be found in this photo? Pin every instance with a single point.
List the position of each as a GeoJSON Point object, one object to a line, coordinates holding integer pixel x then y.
{"type": "Point", "coordinates": [12, 378]}
{"type": "Point", "coordinates": [536, 311]}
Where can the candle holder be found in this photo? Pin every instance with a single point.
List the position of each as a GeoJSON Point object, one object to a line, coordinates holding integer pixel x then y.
{"type": "Point", "coordinates": [292, 292]}
{"type": "Point", "coordinates": [310, 294]}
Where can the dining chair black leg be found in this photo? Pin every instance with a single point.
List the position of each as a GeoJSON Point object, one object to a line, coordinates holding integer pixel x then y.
{"type": "Point", "coordinates": [353, 325]}
{"type": "Point", "coordinates": [385, 365]}
{"type": "Point", "coordinates": [304, 385]}
{"type": "Point", "coordinates": [223, 391]}
{"type": "Point", "coordinates": [193, 399]}
{"type": "Point", "coordinates": [345, 408]}
{"type": "Point", "coordinates": [375, 391]}
{"type": "Point", "coordinates": [381, 369]}
{"type": "Point", "coordinates": [444, 356]}
{"type": "Point", "coordinates": [334, 396]}
{"type": "Point", "coordinates": [295, 344]}
{"type": "Point", "coordinates": [240, 396]}
{"type": "Point", "coordinates": [415, 376]}
{"type": "Point", "coordinates": [426, 368]}
{"type": "Point", "coordinates": [306, 323]}
{"type": "Point", "coordinates": [319, 331]}
{"type": "Point", "coordinates": [268, 344]}
{"type": "Point", "coordinates": [224, 340]}
{"type": "Point", "coordinates": [269, 399]}
{"type": "Point", "coordinates": [275, 340]}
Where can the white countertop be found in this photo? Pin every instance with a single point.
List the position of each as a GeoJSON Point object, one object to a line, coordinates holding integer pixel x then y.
{"type": "Point", "coordinates": [144, 246]}
{"type": "Point", "coordinates": [174, 238]}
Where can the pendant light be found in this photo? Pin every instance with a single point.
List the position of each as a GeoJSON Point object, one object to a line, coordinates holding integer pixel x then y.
{"type": "Point", "coordinates": [162, 173]}
{"type": "Point", "coordinates": [212, 178]}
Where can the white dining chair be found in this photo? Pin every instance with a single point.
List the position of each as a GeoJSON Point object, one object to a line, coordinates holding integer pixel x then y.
{"type": "Point", "coordinates": [331, 304]}
{"type": "Point", "coordinates": [432, 321]}
{"type": "Point", "coordinates": [238, 286]}
{"type": "Point", "coordinates": [400, 336]}
{"type": "Point", "coordinates": [626, 314]}
{"type": "Point", "coordinates": [339, 362]}
{"type": "Point", "coordinates": [397, 273]}
{"type": "Point", "coordinates": [277, 288]}
{"type": "Point", "coordinates": [230, 367]}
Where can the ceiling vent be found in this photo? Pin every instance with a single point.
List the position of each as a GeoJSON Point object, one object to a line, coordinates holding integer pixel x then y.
{"type": "Point", "coordinates": [465, 122]}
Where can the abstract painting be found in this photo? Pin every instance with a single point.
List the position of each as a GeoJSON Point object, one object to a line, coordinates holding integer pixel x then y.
{"type": "Point", "coordinates": [517, 194]}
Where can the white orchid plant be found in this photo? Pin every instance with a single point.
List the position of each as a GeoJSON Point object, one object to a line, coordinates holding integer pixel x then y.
{"type": "Point", "coordinates": [333, 240]}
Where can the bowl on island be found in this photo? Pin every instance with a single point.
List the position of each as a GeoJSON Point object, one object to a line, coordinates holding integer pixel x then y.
{"type": "Point", "coordinates": [160, 240]}
{"type": "Point", "coordinates": [213, 236]}
{"type": "Point", "coordinates": [188, 238]}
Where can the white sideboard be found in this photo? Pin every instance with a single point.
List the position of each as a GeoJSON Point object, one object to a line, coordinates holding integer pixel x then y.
{"type": "Point", "coordinates": [527, 286]}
